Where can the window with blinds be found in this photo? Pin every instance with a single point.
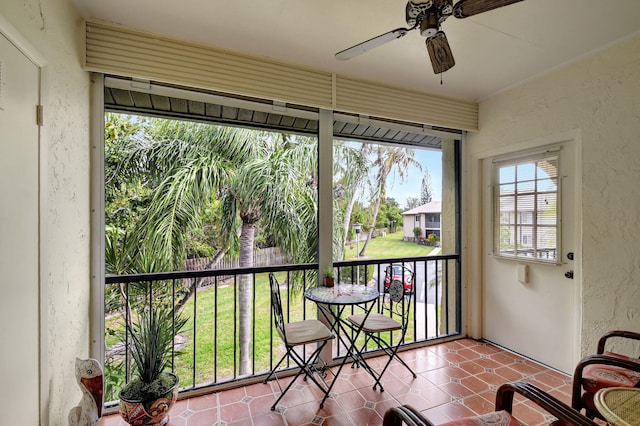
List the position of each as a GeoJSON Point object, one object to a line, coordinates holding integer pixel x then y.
{"type": "Point", "coordinates": [526, 220]}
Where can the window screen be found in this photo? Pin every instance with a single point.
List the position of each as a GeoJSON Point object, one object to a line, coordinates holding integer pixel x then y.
{"type": "Point", "coordinates": [526, 208]}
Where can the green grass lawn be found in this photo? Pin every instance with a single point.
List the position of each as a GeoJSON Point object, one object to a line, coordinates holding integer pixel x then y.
{"type": "Point", "coordinates": [389, 246]}
{"type": "Point", "coordinates": [217, 331]}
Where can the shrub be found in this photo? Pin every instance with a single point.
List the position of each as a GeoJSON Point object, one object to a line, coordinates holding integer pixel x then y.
{"type": "Point", "coordinates": [417, 231]}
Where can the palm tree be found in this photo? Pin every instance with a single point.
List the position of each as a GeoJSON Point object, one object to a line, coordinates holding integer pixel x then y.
{"type": "Point", "coordinates": [386, 158]}
{"type": "Point", "coordinates": [350, 168]}
{"type": "Point", "coordinates": [262, 180]}
{"type": "Point", "coordinates": [274, 189]}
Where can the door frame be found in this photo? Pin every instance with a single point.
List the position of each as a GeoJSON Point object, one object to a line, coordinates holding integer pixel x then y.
{"type": "Point", "coordinates": [16, 38]}
{"type": "Point", "coordinates": [480, 161]}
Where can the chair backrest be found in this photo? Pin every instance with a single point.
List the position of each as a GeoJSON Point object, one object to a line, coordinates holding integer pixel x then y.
{"type": "Point", "coordinates": [396, 302]}
{"type": "Point", "coordinates": [276, 306]}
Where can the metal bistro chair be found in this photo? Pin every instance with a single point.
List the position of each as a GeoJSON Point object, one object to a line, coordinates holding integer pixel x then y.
{"type": "Point", "coordinates": [394, 316]}
{"type": "Point", "coordinates": [295, 334]}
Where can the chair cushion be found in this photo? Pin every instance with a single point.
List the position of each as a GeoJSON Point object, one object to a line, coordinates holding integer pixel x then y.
{"type": "Point", "coordinates": [307, 331]}
{"type": "Point", "coordinates": [498, 418]}
{"type": "Point", "coordinates": [599, 376]}
{"type": "Point", "coordinates": [375, 323]}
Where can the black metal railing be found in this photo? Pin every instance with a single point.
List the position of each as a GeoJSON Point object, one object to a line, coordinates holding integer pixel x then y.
{"type": "Point", "coordinates": [211, 353]}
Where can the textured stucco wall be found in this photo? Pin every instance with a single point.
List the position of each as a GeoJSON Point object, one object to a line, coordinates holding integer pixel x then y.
{"type": "Point", "coordinates": [53, 28]}
{"type": "Point", "coordinates": [598, 97]}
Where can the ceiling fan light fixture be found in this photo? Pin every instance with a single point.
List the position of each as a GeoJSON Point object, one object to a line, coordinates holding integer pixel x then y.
{"type": "Point", "coordinates": [429, 26]}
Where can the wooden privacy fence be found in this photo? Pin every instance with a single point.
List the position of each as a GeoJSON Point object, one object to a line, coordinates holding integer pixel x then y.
{"type": "Point", "coordinates": [269, 256]}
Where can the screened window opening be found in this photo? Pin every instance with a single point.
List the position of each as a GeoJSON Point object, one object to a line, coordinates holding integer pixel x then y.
{"type": "Point", "coordinates": [527, 224]}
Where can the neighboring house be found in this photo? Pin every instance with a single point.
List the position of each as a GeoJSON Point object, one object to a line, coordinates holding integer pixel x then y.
{"type": "Point", "coordinates": [425, 217]}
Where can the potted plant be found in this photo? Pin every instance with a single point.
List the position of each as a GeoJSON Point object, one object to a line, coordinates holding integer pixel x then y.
{"type": "Point", "coordinates": [328, 277]}
{"type": "Point", "coordinates": [147, 398]}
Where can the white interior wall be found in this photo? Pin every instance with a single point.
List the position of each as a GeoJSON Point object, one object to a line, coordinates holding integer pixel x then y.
{"type": "Point", "coordinates": [598, 98]}
{"type": "Point", "coordinates": [52, 27]}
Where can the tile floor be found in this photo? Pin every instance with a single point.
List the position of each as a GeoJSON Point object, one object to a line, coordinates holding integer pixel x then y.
{"type": "Point", "coordinates": [455, 379]}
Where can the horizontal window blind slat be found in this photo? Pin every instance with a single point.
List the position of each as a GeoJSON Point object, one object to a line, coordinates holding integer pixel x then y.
{"type": "Point", "coordinates": [121, 51]}
{"type": "Point", "coordinates": [377, 99]}
{"type": "Point", "coordinates": [113, 49]}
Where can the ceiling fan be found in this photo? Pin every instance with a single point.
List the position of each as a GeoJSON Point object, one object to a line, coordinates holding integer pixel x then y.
{"type": "Point", "coordinates": [428, 15]}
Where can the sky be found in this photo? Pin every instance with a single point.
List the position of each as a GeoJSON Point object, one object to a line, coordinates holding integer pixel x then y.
{"type": "Point", "coordinates": [412, 184]}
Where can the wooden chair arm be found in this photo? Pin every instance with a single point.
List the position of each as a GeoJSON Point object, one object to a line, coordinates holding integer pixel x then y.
{"type": "Point", "coordinates": [408, 415]}
{"type": "Point", "coordinates": [405, 414]}
{"type": "Point", "coordinates": [564, 413]}
{"type": "Point", "coordinates": [616, 333]}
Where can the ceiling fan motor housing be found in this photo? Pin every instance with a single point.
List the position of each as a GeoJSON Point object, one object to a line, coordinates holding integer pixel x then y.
{"type": "Point", "coordinates": [428, 14]}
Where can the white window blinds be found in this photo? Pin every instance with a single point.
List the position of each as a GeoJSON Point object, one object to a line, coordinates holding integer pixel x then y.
{"type": "Point", "coordinates": [526, 220]}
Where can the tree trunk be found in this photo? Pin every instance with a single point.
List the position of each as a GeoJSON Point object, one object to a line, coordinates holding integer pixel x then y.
{"type": "Point", "coordinates": [353, 189]}
{"type": "Point", "coordinates": [245, 297]}
{"type": "Point", "coordinates": [381, 193]}
{"type": "Point", "coordinates": [196, 281]}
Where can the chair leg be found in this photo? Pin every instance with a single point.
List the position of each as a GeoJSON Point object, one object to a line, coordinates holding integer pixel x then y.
{"type": "Point", "coordinates": [392, 352]}
{"type": "Point", "coordinates": [305, 366]}
{"type": "Point", "coordinates": [273, 371]}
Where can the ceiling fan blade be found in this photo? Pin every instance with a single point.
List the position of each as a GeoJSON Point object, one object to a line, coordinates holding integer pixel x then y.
{"type": "Point", "coordinates": [371, 43]}
{"type": "Point", "coordinates": [440, 53]}
{"type": "Point", "coordinates": [466, 8]}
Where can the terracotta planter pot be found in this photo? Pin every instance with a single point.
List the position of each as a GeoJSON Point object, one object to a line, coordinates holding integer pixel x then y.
{"type": "Point", "coordinates": [328, 282]}
{"type": "Point", "coordinates": [156, 412]}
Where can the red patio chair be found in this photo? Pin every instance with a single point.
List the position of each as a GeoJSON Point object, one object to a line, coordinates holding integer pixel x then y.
{"type": "Point", "coordinates": [604, 370]}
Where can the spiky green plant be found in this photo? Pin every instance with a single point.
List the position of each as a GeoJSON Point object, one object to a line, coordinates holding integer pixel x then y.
{"type": "Point", "coordinates": [151, 349]}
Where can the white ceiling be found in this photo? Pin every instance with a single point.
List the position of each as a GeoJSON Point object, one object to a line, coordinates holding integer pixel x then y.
{"type": "Point", "coordinates": [493, 51]}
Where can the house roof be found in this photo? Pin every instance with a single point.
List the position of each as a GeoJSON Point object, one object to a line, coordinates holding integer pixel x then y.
{"type": "Point", "coordinates": [432, 207]}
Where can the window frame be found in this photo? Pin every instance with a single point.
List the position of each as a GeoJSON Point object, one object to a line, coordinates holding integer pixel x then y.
{"type": "Point", "coordinates": [519, 219]}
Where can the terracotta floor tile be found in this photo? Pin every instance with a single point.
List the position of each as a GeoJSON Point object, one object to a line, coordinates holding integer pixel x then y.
{"type": "Point", "coordinates": [471, 367]}
{"type": "Point", "coordinates": [455, 380]}
{"type": "Point", "coordinates": [365, 417]}
{"type": "Point", "coordinates": [487, 349]}
{"type": "Point", "coordinates": [527, 414]}
{"type": "Point", "coordinates": [427, 362]}
{"type": "Point", "coordinates": [261, 404]}
{"type": "Point", "coordinates": [259, 389]}
{"type": "Point", "coordinates": [351, 400]}
{"type": "Point", "coordinates": [234, 412]}
{"type": "Point", "coordinates": [454, 410]}
{"type": "Point", "coordinates": [468, 353]}
{"type": "Point", "coordinates": [436, 415]}
{"type": "Point", "coordinates": [475, 384]}
{"type": "Point", "coordinates": [200, 418]}
{"type": "Point", "coordinates": [488, 363]}
{"type": "Point", "coordinates": [479, 404]}
{"type": "Point", "coordinates": [231, 396]}
{"type": "Point", "coordinates": [454, 357]}
{"type": "Point", "coordinates": [302, 414]}
{"type": "Point", "coordinates": [508, 373]}
{"type": "Point", "coordinates": [244, 422]}
{"type": "Point", "coordinates": [457, 390]}
{"type": "Point", "coordinates": [268, 419]}
{"type": "Point", "coordinates": [504, 358]}
{"type": "Point", "coordinates": [551, 378]}
{"type": "Point", "coordinates": [199, 403]}
{"type": "Point", "coordinates": [382, 406]}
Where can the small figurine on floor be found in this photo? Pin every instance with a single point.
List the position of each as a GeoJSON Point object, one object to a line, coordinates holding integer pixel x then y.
{"type": "Point", "coordinates": [89, 377]}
